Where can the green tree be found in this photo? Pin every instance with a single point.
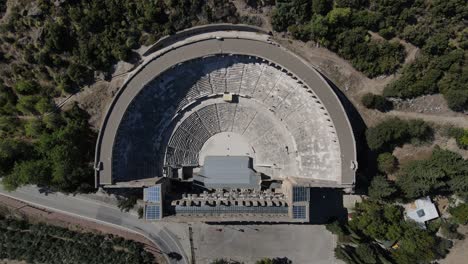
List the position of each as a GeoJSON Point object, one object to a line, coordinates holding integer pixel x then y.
{"type": "Point", "coordinates": [28, 172]}
{"type": "Point", "coordinates": [449, 230]}
{"type": "Point", "coordinates": [339, 16]}
{"type": "Point", "coordinates": [27, 104]}
{"type": "Point", "coordinates": [33, 128]}
{"type": "Point", "coordinates": [9, 126]}
{"type": "Point", "coordinates": [366, 254]}
{"type": "Point", "coordinates": [387, 163]}
{"type": "Point", "coordinates": [12, 151]}
{"type": "Point", "coordinates": [460, 213]}
{"type": "Point", "coordinates": [436, 44]}
{"type": "Point", "coordinates": [378, 102]}
{"type": "Point", "coordinates": [393, 132]}
{"type": "Point", "coordinates": [382, 222]}
{"type": "Point", "coordinates": [127, 203]}
{"type": "Point", "coordinates": [44, 105]}
{"type": "Point", "coordinates": [281, 17]}
{"type": "Point", "coordinates": [457, 100]}
{"type": "Point", "coordinates": [381, 188]}
{"type": "Point", "coordinates": [25, 87]}
{"type": "Point", "coordinates": [416, 244]}
{"type": "Point", "coordinates": [52, 121]}
{"type": "Point", "coordinates": [443, 171]}
{"type": "Point", "coordinates": [322, 6]}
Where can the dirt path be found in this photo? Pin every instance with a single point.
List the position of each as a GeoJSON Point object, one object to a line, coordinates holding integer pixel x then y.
{"type": "Point", "coordinates": [461, 121]}
{"type": "Point", "coordinates": [36, 214]}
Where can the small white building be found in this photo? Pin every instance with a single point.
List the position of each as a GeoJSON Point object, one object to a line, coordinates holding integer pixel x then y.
{"type": "Point", "coordinates": [421, 211]}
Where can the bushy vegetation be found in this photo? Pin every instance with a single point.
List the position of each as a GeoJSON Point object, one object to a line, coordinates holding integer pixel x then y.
{"type": "Point", "coordinates": [445, 73]}
{"type": "Point", "coordinates": [48, 49]}
{"type": "Point", "coordinates": [375, 224]}
{"type": "Point", "coordinates": [460, 213]}
{"type": "Point", "coordinates": [444, 172]}
{"type": "Point", "coordinates": [387, 163]}
{"type": "Point", "coordinates": [460, 135]}
{"type": "Point", "coordinates": [274, 261]}
{"type": "Point", "coordinates": [40, 243]}
{"type": "Point", "coordinates": [381, 188]}
{"type": "Point", "coordinates": [436, 27]}
{"type": "Point", "coordinates": [378, 102]}
{"type": "Point", "coordinates": [341, 29]}
{"type": "Point", "coordinates": [80, 37]}
{"type": "Point", "coordinates": [57, 155]}
{"type": "Point", "coordinates": [393, 132]}
{"type": "Point", "coordinates": [126, 204]}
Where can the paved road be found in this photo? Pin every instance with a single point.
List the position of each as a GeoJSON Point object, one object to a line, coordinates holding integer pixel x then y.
{"type": "Point", "coordinates": [232, 43]}
{"type": "Point", "coordinates": [90, 210]}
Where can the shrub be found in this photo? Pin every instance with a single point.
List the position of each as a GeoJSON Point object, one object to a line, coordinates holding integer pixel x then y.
{"type": "Point", "coordinates": [387, 163]}
{"type": "Point", "coordinates": [28, 172]}
{"type": "Point", "coordinates": [460, 213]}
{"type": "Point", "coordinates": [457, 100]}
{"type": "Point", "coordinates": [33, 128]}
{"type": "Point", "coordinates": [26, 87]}
{"type": "Point", "coordinates": [44, 105]}
{"type": "Point", "coordinates": [12, 151]}
{"type": "Point", "coordinates": [393, 132]}
{"type": "Point", "coordinates": [141, 212]}
{"type": "Point", "coordinates": [378, 102]}
{"type": "Point", "coordinates": [126, 203]}
{"type": "Point", "coordinates": [366, 253]}
{"type": "Point", "coordinates": [27, 104]}
{"type": "Point", "coordinates": [462, 141]}
{"type": "Point", "coordinates": [381, 188]}
{"type": "Point", "coordinates": [52, 121]}
{"type": "Point", "coordinates": [443, 172]}
{"type": "Point", "coordinates": [449, 230]}
{"type": "Point", "coordinates": [387, 33]}
{"type": "Point", "coordinates": [9, 126]}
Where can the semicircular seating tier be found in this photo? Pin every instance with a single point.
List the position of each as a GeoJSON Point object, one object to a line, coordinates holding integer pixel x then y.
{"type": "Point", "coordinates": [174, 115]}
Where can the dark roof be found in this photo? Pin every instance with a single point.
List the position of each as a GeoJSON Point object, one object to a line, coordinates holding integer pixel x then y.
{"type": "Point", "coordinates": [228, 172]}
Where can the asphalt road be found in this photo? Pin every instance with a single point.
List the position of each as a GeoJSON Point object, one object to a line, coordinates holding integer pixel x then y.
{"type": "Point", "coordinates": [105, 214]}
{"type": "Point", "coordinates": [236, 44]}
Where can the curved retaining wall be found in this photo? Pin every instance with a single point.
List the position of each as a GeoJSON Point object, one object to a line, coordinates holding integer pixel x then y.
{"type": "Point", "coordinates": [190, 32]}
{"type": "Point", "coordinates": [188, 45]}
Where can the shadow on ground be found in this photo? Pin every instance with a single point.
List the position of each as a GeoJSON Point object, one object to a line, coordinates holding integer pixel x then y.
{"type": "Point", "coordinates": [326, 205]}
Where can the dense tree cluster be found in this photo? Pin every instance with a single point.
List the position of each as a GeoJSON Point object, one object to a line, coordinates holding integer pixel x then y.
{"type": "Point", "coordinates": [393, 132]}
{"type": "Point", "coordinates": [387, 163]}
{"type": "Point", "coordinates": [79, 37]}
{"type": "Point", "coordinates": [341, 29]}
{"type": "Point", "coordinates": [375, 224]}
{"type": "Point", "coordinates": [49, 48]}
{"type": "Point", "coordinates": [381, 188]}
{"type": "Point", "coordinates": [58, 156]}
{"type": "Point", "coordinates": [436, 27]}
{"type": "Point", "coordinates": [40, 243]}
{"type": "Point", "coordinates": [445, 172]}
{"type": "Point", "coordinates": [446, 73]}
